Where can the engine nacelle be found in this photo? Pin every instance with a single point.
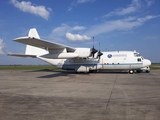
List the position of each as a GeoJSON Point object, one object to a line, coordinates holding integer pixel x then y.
{"type": "Point", "coordinates": [83, 52]}
{"type": "Point", "coordinates": [82, 69]}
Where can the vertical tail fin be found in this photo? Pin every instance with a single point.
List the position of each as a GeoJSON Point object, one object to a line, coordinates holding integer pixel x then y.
{"type": "Point", "coordinates": [33, 33]}
{"type": "Point", "coordinates": [31, 50]}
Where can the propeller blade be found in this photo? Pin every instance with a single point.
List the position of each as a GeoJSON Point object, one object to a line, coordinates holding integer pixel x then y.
{"type": "Point", "coordinates": [99, 53]}
{"type": "Point", "coordinates": [93, 50]}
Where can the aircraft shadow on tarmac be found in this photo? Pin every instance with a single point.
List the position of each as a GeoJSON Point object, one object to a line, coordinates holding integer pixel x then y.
{"type": "Point", "coordinates": [57, 73]}
{"type": "Point", "coordinates": [54, 73]}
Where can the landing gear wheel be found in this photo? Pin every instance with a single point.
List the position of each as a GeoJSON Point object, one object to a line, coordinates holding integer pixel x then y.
{"type": "Point", "coordinates": [131, 71]}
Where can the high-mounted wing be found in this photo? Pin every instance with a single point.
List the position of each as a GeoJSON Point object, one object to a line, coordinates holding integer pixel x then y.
{"type": "Point", "coordinates": [43, 44]}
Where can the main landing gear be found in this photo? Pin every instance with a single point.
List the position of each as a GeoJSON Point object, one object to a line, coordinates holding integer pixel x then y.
{"type": "Point", "coordinates": [131, 71]}
{"type": "Point", "coordinates": [138, 71]}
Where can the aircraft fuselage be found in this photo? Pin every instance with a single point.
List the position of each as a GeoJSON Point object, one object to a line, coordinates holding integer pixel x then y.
{"type": "Point", "coordinates": [111, 60]}
{"type": "Point", "coordinates": [79, 59]}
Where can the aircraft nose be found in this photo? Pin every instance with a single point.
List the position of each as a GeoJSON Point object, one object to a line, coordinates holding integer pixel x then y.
{"type": "Point", "coordinates": [146, 62]}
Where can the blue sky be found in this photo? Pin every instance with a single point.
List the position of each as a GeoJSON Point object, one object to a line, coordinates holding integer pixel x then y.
{"type": "Point", "coordinates": [116, 24]}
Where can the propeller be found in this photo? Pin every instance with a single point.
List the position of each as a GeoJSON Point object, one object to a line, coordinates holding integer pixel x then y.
{"type": "Point", "coordinates": [93, 50]}
{"type": "Point", "coordinates": [99, 53]}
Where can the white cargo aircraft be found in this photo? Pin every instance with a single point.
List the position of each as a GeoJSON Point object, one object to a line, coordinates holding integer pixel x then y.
{"type": "Point", "coordinates": [80, 59]}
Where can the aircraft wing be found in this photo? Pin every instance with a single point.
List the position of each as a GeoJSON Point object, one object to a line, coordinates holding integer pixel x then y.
{"type": "Point", "coordinates": [43, 43]}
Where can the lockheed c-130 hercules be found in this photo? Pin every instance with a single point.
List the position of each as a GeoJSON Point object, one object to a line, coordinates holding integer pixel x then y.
{"type": "Point", "coordinates": [80, 59]}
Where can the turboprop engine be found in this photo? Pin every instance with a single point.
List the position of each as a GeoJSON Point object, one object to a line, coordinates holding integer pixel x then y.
{"type": "Point", "coordinates": [83, 52]}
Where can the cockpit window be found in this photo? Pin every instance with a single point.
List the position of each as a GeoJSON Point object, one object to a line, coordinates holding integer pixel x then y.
{"type": "Point", "coordinates": [137, 54]}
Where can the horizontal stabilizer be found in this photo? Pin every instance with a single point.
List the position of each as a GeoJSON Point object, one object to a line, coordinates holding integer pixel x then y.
{"type": "Point", "coordinates": [22, 55]}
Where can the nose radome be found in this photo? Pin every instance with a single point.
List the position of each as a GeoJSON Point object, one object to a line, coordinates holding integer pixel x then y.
{"type": "Point", "coordinates": [146, 62]}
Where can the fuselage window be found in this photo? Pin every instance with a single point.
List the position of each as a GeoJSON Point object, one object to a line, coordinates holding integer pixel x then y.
{"type": "Point", "coordinates": [139, 59]}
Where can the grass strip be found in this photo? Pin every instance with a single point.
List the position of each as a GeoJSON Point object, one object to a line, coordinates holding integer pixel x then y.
{"type": "Point", "coordinates": [39, 67]}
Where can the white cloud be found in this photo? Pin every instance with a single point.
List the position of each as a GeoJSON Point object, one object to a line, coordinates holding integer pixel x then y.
{"type": "Point", "coordinates": [153, 38]}
{"type": "Point", "coordinates": [149, 2]}
{"type": "Point", "coordinates": [41, 11]}
{"type": "Point", "coordinates": [121, 24]}
{"type": "Point", "coordinates": [75, 3]}
{"type": "Point", "coordinates": [148, 17]}
{"type": "Point", "coordinates": [77, 37]}
{"type": "Point", "coordinates": [133, 7]}
{"type": "Point", "coordinates": [108, 26]}
{"type": "Point", "coordinates": [61, 31]}
{"type": "Point", "coordinates": [1, 46]}
{"type": "Point", "coordinates": [84, 1]}
{"type": "Point", "coordinates": [58, 34]}
{"type": "Point", "coordinates": [79, 28]}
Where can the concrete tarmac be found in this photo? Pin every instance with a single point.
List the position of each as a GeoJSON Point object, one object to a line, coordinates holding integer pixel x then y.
{"type": "Point", "coordinates": [61, 95]}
